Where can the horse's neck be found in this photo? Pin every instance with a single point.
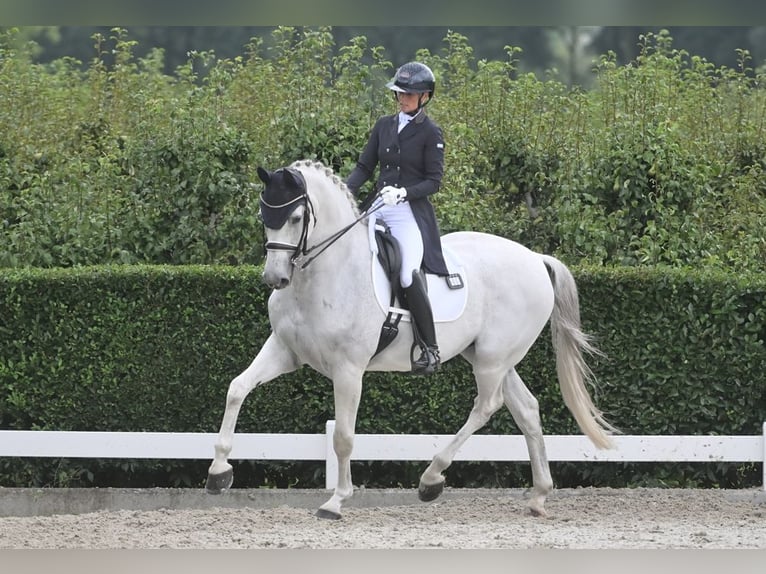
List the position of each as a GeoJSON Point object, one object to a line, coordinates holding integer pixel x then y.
{"type": "Point", "coordinates": [345, 262]}
{"type": "Point", "coordinates": [351, 248]}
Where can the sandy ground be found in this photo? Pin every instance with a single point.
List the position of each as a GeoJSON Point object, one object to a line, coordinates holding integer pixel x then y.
{"type": "Point", "coordinates": [586, 518]}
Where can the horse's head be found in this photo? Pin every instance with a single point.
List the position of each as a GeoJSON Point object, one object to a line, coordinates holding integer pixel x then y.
{"type": "Point", "coordinates": [285, 210]}
{"type": "Point", "coordinates": [300, 200]}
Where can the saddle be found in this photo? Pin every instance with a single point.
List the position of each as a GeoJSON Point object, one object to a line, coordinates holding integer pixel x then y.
{"type": "Point", "coordinates": [390, 258]}
{"type": "Point", "coordinates": [447, 303]}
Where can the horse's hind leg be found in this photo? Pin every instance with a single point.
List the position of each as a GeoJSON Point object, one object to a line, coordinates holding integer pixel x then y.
{"type": "Point", "coordinates": [272, 360]}
{"type": "Point", "coordinates": [526, 412]}
{"type": "Point", "coordinates": [488, 400]}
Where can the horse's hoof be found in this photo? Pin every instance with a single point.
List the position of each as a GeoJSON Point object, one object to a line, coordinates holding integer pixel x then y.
{"type": "Point", "coordinates": [216, 483]}
{"type": "Point", "coordinates": [429, 492]}
{"type": "Point", "coordinates": [537, 508]}
{"type": "Point", "coordinates": [537, 511]}
{"type": "Point", "coordinates": [327, 514]}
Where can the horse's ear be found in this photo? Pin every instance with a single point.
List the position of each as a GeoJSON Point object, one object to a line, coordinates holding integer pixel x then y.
{"type": "Point", "coordinates": [295, 177]}
{"type": "Point", "coordinates": [264, 175]}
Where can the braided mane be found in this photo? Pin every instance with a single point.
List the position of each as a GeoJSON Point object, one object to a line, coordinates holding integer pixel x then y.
{"type": "Point", "coordinates": [328, 173]}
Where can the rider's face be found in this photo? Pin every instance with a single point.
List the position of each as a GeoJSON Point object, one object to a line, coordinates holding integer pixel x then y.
{"type": "Point", "coordinates": [408, 103]}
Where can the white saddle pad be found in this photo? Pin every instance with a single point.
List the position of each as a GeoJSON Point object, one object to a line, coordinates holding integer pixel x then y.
{"type": "Point", "coordinates": [447, 304]}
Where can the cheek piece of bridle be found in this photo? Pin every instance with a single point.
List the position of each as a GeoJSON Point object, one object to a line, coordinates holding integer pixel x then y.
{"type": "Point", "coordinates": [301, 251]}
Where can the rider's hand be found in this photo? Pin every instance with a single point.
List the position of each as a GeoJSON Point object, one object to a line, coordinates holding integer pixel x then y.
{"type": "Point", "coordinates": [392, 195]}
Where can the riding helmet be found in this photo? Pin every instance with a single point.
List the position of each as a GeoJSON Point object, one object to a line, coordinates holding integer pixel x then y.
{"type": "Point", "coordinates": [413, 78]}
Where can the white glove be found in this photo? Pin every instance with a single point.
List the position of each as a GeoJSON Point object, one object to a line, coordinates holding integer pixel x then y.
{"type": "Point", "coordinates": [392, 195]}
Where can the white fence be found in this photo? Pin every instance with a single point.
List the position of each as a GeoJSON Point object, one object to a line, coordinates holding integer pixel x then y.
{"type": "Point", "coordinates": [259, 446]}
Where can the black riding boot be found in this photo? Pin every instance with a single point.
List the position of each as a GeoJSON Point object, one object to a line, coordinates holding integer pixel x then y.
{"type": "Point", "coordinates": [423, 326]}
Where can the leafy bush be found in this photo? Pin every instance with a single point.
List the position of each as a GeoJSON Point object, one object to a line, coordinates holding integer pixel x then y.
{"type": "Point", "coordinates": [112, 161]}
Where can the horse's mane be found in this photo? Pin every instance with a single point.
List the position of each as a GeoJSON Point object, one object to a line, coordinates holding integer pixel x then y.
{"type": "Point", "coordinates": [328, 173]}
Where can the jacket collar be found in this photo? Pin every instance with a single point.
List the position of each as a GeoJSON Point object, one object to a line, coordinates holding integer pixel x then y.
{"type": "Point", "coordinates": [408, 129]}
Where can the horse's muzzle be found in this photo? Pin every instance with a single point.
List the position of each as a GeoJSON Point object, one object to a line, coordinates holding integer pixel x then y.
{"type": "Point", "coordinates": [275, 281]}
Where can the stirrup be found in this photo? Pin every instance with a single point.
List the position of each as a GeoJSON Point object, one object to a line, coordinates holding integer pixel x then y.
{"type": "Point", "coordinates": [428, 361]}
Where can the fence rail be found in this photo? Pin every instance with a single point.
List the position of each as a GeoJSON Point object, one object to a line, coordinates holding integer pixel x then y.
{"type": "Point", "coordinates": [401, 447]}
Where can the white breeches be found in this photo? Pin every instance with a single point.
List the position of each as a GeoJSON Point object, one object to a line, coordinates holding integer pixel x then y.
{"type": "Point", "coordinates": [404, 228]}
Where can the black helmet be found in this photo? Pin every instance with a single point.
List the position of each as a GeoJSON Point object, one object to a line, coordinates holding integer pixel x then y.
{"type": "Point", "coordinates": [413, 78]}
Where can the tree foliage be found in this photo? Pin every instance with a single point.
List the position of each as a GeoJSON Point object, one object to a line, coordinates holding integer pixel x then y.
{"type": "Point", "coordinates": [115, 161]}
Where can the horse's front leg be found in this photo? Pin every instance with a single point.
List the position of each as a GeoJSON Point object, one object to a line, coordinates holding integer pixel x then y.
{"type": "Point", "coordinates": [347, 389]}
{"type": "Point", "coordinates": [273, 359]}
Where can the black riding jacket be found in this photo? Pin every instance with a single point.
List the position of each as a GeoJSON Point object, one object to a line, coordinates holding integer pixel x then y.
{"type": "Point", "coordinates": [413, 159]}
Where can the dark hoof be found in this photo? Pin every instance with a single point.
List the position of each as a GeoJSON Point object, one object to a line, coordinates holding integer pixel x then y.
{"type": "Point", "coordinates": [427, 493]}
{"type": "Point", "coordinates": [327, 515]}
{"type": "Point", "coordinates": [216, 483]}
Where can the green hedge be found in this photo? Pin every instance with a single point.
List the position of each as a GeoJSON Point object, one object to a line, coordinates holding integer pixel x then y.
{"type": "Point", "coordinates": [153, 348]}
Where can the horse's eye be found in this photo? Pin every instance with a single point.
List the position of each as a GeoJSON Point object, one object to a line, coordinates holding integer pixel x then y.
{"type": "Point", "coordinates": [296, 216]}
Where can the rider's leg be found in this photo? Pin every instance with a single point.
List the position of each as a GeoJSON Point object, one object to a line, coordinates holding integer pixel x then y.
{"type": "Point", "coordinates": [423, 320]}
{"type": "Point", "coordinates": [404, 228]}
{"type": "Point", "coordinates": [401, 222]}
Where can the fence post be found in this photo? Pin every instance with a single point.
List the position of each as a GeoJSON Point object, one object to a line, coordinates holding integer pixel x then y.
{"type": "Point", "coordinates": [763, 458]}
{"type": "Point", "coordinates": [331, 461]}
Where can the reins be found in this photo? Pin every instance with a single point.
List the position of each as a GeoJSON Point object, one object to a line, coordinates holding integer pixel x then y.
{"type": "Point", "coordinates": [300, 251]}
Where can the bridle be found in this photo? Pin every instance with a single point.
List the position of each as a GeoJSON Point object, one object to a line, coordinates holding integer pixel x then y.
{"type": "Point", "coordinates": [301, 250]}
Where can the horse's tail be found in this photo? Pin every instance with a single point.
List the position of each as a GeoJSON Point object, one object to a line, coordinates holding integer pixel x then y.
{"type": "Point", "coordinates": [569, 343]}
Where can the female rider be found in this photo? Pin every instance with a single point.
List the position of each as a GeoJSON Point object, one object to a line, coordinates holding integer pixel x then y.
{"type": "Point", "coordinates": [409, 147]}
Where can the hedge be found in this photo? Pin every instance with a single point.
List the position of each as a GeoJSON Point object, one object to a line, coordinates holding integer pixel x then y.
{"type": "Point", "coordinates": [153, 348]}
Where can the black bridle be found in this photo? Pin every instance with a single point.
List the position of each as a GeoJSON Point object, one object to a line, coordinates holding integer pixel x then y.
{"type": "Point", "coordinates": [301, 249]}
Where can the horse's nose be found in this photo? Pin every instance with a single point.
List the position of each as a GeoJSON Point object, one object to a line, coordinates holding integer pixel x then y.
{"type": "Point", "coordinates": [275, 281]}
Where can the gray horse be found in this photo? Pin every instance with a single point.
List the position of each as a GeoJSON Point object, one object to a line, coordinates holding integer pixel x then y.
{"type": "Point", "coordinates": [316, 309]}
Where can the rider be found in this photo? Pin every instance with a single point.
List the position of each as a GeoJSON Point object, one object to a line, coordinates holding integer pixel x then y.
{"type": "Point", "coordinates": [409, 147]}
